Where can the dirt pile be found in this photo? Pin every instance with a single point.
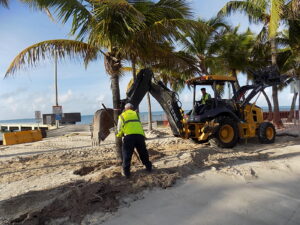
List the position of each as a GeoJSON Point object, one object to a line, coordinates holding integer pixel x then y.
{"type": "Point", "coordinates": [76, 200]}
{"type": "Point", "coordinates": [155, 133]}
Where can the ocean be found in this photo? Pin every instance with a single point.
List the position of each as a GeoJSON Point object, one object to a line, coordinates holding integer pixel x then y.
{"type": "Point", "coordinates": [87, 119]}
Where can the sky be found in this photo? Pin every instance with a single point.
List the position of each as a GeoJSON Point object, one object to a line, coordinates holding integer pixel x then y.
{"type": "Point", "coordinates": [80, 89]}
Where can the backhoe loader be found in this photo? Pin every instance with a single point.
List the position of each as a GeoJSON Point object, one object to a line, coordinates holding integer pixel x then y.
{"type": "Point", "coordinates": [222, 122]}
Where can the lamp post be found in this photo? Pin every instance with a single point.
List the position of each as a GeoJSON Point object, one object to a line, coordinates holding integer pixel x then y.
{"type": "Point", "coordinates": [57, 110]}
{"type": "Point", "coordinates": [55, 79]}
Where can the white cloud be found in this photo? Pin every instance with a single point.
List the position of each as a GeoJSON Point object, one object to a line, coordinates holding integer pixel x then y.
{"type": "Point", "coordinates": [100, 98]}
{"type": "Point", "coordinates": [65, 97]}
{"type": "Point", "coordinates": [18, 91]}
{"type": "Point", "coordinates": [9, 101]}
{"type": "Point", "coordinates": [39, 100]}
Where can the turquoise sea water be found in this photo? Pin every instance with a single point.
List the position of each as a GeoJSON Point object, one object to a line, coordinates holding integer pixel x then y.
{"type": "Point", "coordinates": [87, 119]}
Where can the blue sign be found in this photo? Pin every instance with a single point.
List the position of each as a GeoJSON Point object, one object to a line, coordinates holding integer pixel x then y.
{"type": "Point", "coordinates": [57, 117]}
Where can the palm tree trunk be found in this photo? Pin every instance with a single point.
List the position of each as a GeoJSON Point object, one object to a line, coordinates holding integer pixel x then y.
{"type": "Point", "coordinates": [149, 112]}
{"type": "Point", "coordinates": [202, 65]}
{"type": "Point", "coordinates": [116, 104]}
{"type": "Point", "coordinates": [276, 119]}
{"type": "Point", "coordinates": [133, 65]}
{"type": "Point", "coordinates": [269, 105]}
{"type": "Point", "coordinates": [293, 105]}
{"type": "Point", "coordinates": [113, 67]}
{"type": "Point", "coordinates": [234, 74]}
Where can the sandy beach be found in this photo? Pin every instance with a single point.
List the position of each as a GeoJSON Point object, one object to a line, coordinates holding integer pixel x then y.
{"type": "Point", "coordinates": [63, 180]}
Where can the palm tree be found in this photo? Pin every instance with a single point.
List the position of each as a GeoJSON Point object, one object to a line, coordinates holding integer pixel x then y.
{"type": "Point", "coordinates": [292, 15]}
{"type": "Point", "coordinates": [165, 22]}
{"type": "Point", "coordinates": [174, 13]}
{"type": "Point", "coordinates": [232, 51]}
{"type": "Point", "coordinates": [289, 58]}
{"type": "Point", "coordinates": [269, 12]}
{"type": "Point", "coordinates": [104, 28]}
{"type": "Point", "coordinates": [199, 42]}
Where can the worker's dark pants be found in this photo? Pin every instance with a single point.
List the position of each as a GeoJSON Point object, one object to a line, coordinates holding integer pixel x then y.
{"type": "Point", "coordinates": [129, 143]}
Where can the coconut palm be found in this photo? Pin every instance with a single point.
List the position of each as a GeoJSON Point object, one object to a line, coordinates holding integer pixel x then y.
{"type": "Point", "coordinates": [164, 23]}
{"type": "Point", "coordinates": [289, 58]}
{"type": "Point", "coordinates": [233, 50]}
{"type": "Point", "coordinates": [270, 13]}
{"type": "Point", "coordinates": [292, 39]}
{"type": "Point", "coordinates": [105, 28]}
{"type": "Point", "coordinates": [260, 57]}
{"type": "Point", "coordinates": [176, 14]}
{"type": "Point", "coordinates": [199, 43]}
{"type": "Point", "coordinates": [113, 21]}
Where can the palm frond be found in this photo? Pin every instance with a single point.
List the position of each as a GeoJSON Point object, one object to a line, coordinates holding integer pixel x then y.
{"type": "Point", "coordinates": [175, 69]}
{"type": "Point", "coordinates": [170, 29]}
{"type": "Point", "coordinates": [231, 50]}
{"type": "Point", "coordinates": [276, 13]}
{"type": "Point", "coordinates": [163, 9]}
{"type": "Point", "coordinates": [31, 56]}
{"type": "Point", "coordinates": [174, 9]}
{"type": "Point", "coordinates": [284, 59]}
{"type": "Point", "coordinates": [4, 3]}
{"type": "Point", "coordinates": [126, 69]}
{"type": "Point", "coordinates": [116, 22]}
{"type": "Point", "coordinates": [77, 10]}
{"type": "Point", "coordinates": [263, 35]}
{"type": "Point", "coordinates": [294, 31]}
{"type": "Point", "coordinates": [217, 22]}
{"type": "Point", "coordinates": [255, 9]}
{"type": "Point", "coordinates": [292, 10]}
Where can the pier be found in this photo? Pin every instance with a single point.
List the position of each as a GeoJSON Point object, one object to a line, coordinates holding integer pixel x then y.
{"type": "Point", "coordinates": [10, 127]}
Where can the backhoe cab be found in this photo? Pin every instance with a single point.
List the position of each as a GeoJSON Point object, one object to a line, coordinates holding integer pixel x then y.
{"type": "Point", "coordinates": [223, 122]}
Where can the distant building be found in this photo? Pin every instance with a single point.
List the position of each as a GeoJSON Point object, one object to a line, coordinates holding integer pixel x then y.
{"type": "Point", "coordinates": [66, 118]}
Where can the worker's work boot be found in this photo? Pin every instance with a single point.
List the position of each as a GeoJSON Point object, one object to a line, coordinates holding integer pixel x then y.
{"type": "Point", "coordinates": [149, 168]}
{"type": "Point", "coordinates": [125, 174]}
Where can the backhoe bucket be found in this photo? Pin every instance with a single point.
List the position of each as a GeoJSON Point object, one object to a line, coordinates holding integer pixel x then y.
{"type": "Point", "coordinates": [102, 122]}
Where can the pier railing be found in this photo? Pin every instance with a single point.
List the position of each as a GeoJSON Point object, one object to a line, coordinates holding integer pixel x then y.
{"type": "Point", "coordinates": [10, 127]}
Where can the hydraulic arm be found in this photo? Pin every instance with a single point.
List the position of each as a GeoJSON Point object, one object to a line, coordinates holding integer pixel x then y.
{"type": "Point", "coordinates": [263, 78]}
{"type": "Point", "coordinates": [168, 99]}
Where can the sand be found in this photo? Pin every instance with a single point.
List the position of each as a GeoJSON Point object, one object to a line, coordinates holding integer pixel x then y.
{"type": "Point", "coordinates": [63, 180]}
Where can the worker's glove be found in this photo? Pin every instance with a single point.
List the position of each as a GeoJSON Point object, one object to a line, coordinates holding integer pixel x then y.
{"type": "Point", "coordinates": [119, 135]}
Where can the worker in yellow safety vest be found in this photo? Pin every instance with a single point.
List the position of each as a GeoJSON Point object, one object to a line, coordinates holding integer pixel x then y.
{"type": "Point", "coordinates": [129, 126]}
{"type": "Point", "coordinates": [205, 96]}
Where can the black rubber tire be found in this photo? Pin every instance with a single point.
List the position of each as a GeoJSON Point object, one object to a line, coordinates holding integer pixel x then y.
{"type": "Point", "coordinates": [216, 141]}
{"type": "Point", "coordinates": [262, 133]}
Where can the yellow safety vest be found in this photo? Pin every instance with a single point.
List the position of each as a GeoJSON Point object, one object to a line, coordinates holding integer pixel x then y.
{"type": "Point", "coordinates": [205, 98]}
{"type": "Point", "coordinates": [131, 124]}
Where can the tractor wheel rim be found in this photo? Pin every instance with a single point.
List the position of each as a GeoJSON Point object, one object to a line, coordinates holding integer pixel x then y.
{"type": "Point", "coordinates": [226, 133]}
{"type": "Point", "coordinates": [269, 133]}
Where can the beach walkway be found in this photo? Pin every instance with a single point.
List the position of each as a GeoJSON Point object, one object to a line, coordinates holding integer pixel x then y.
{"type": "Point", "coordinates": [269, 197]}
